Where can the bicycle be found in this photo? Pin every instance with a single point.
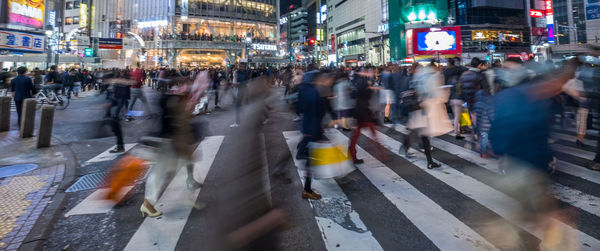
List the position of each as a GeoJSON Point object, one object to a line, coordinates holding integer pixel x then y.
{"type": "Point", "coordinates": [51, 98]}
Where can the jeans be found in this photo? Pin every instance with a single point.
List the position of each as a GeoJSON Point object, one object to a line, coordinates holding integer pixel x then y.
{"type": "Point", "coordinates": [483, 142]}
{"type": "Point", "coordinates": [137, 93]}
{"type": "Point", "coordinates": [19, 106]}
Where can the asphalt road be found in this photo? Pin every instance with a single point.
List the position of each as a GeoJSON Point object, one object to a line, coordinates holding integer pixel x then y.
{"type": "Point", "coordinates": [386, 204]}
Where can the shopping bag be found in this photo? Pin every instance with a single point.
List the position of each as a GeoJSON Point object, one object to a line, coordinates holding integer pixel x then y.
{"type": "Point", "coordinates": [123, 174]}
{"type": "Point", "coordinates": [328, 160]}
{"type": "Point", "coordinates": [465, 118]}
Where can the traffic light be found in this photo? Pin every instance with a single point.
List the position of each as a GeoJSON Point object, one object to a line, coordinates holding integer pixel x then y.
{"type": "Point", "coordinates": [312, 41]}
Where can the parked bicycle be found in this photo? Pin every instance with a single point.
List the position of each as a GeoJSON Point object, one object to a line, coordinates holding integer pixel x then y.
{"type": "Point", "coordinates": [50, 97]}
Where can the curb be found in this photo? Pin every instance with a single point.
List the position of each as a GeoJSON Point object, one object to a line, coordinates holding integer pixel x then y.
{"type": "Point", "coordinates": [42, 228]}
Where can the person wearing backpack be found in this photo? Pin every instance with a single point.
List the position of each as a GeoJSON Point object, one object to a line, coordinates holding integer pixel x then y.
{"type": "Point", "coordinates": [469, 83]}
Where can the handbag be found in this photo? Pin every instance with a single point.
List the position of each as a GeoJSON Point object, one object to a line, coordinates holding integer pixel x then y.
{"type": "Point", "coordinates": [465, 118]}
{"type": "Point", "coordinates": [328, 160]}
{"type": "Point", "coordinates": [410, 100]}
{"type": "Point", "coordinates": [124, 173]}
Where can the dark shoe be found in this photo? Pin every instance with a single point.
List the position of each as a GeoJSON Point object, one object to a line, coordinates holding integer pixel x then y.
{"type": "Point", "coordinates": [217, 107]}
{"type": "Point", "coordinates": [312, 195]}
{"type": "Point", "coordinates": [346, 129]}
{"type": "Point", "coordinates": [117, 150]}
{"type": "Point", "coordinates": [387, 121]}
{"type": "Point", "coordinates": [358, 161]}
{"type": "Point", "coordinates": [433, 165]}
{"type": "Point", "coordinates": [579, 144]}
{"type": "Point", "coordinates": [595, 166]}
{"type": "Point", "coordinates": [459, 137]}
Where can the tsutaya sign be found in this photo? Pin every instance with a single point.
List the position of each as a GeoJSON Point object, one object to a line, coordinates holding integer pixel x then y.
{"type": "Point", "coordinates": [28, 13]}
{"type": "Point", "coordinates": [264, 47]}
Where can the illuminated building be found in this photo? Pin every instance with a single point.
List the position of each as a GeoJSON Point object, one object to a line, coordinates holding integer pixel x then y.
{"type": "Point", "coordinates": [191, 32]}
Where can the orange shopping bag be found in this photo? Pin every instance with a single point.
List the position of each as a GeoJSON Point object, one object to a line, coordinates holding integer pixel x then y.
{"type": "Point", "coordinates": [123, 174]}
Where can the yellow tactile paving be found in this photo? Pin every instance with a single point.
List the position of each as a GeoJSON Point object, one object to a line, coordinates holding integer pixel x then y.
{"type": "Point", "coordinates": [13, 200]}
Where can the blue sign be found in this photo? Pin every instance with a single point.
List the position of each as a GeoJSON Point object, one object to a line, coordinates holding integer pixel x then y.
{"type": "Point", "coordinates": [21, 41]}
{"type": "Point", "coordinates": [492, 47]}
{"type": "Point", "coordinates": [592, 9]}
{"type": "Point", "coordinates": [551, 39]}
{"type": "Point", "coordinates": [52, 18]}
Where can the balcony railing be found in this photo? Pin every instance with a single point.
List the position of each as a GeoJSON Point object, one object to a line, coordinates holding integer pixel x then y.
{"type": "Point", "coordinates": [230, 14]}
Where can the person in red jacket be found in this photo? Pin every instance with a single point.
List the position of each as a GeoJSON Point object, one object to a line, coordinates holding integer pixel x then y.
{"type": "Point", "coordinates": [136, 89]}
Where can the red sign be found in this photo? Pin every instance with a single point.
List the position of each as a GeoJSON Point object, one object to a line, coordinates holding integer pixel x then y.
{"type": "Point", "coordinates": [536, 13]}
{"type": "Point", "coordinates": [441, 41]}
{"type": "Point", "coordinates": [539, 31]}
{"type": "Point", "coordinates": [549, 8]}
{"type": "Point", "coordinates": [333, 44]}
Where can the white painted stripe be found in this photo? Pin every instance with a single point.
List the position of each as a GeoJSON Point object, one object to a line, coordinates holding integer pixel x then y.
{"type": "Point", "coordinates": [494, 200]}
{"type": "Point", "coordinates": [572, 196]}
{"type": "Point", "coordinates": [492, 164]}
{"type": "Point", "coordinates": [106, 155]}
{"type": "Point", "coordinates": [95, 203]}
{"type": "Point", "coordinates": [176, 203]}
{"type": "Point", "coordinates": [442, 228]}
{"type": "Point", "coordinates": [566, 137]}
{"type": "Point", "coordinates": [573, 151]}
{"type": "Point", "coordinates": [334, 234]}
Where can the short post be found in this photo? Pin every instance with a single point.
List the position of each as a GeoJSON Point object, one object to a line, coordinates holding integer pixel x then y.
{"type": "Point", "coordinates": [46, 123]}
{"type": "Point", "coordinates": [28, 118]}
{"type": "Point", "coordinates": [5, 113]}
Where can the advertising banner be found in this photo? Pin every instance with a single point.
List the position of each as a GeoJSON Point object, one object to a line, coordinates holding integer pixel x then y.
{"type": "Point", "coordinates": [592, 9]}
{"type": "Point", "coordinates": [429, 41]}
{"type": "Point", "coordinates": [21, 41]}
{"type": "Point", "coordinates": [110, 43]}
{"type": "Point", "coordinates": [29, 13]}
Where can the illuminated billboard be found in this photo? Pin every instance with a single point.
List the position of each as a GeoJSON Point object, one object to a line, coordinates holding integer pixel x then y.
{"type": "Point", "coordinates": [29, 13]}
{"type": "Point", "coordinates": [429, 41]}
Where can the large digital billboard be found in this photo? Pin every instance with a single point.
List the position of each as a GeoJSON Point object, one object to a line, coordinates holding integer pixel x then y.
{"type": "Point", "coordinates": [443, 40]}
{"type": "Point", "coordinates": [29, 13]}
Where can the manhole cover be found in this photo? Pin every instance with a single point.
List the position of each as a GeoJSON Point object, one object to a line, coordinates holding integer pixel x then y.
{"type": "Point", "coordinates": [7, 171]}
{"type": "Point", "coordinates": [95, 180]}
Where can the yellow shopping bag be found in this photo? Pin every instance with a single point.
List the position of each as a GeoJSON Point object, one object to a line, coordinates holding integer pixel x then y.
{"type": "Point", "coordinates": [329, 161]}
{"type": "Point", "coordinates": [465, 118]}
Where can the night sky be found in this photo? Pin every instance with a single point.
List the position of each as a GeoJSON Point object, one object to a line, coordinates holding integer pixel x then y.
{"type": "Point", "coordinates": [285, 4]}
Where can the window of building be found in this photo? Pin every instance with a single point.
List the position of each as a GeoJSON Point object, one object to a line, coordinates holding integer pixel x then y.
{"type": "Point", "coordinates": [69, 5]}
{"type": "Point", "coordinates": [76, 4]}
{"type": "Point", "coordinates": [68, 21]}
{"type": "Point", "coordinates": [384, 11]}
{"type": "Point", "coordinates": [75, 20]}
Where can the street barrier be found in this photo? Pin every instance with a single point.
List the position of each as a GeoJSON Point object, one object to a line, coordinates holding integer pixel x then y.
{"type": "Point", "coordinates": [45, 128]}
{"type": "Point", "coordinates": [5, 113]}
{"type": "Point", "coordinates": [28, 118]}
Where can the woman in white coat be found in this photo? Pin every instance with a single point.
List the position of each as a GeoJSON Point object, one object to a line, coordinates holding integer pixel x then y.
{"type": "Point", "coordinates": [432, 119]}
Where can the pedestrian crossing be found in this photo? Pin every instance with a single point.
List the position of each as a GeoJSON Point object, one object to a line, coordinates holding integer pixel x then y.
{"type": "Point", "coordinates": [460, 206]}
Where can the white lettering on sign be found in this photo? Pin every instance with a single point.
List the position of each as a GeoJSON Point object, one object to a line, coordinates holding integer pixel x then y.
{"type": "Point", "coordinates": [264, 47]}
{"type": "Point", "coordinates": [26, 10]}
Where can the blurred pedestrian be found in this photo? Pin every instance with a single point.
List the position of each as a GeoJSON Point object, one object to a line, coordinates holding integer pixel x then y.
{"type": "Point", "coordinates": [469, 83]}
{"type": "Point", "coordinates": [22, 88]}
{"type": "Point", "coordinates": [451, 75]}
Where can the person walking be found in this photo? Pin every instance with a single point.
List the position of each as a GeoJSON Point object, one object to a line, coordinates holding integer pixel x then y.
{"type": "Point", "coordinates": [362, 112]}
{"type": "Point", "coordinates": [469, 83]}
{"type": "Point", "coordinates": [430, 119]}
{"type": "Point", "coordinates": [120, 95]}
{"type": "Point", "coordinates": [342, 102]}
{"type": "Point", "coordinates": [4, 81]}
{"type": "Point", "coordinates": [451, 75]}
{"type": "Point", "coordinates": [137, 76]}
{"type": "Point", "coordinates": [22, 88]}
{"type": "Point", "coordinates": [241, 77]}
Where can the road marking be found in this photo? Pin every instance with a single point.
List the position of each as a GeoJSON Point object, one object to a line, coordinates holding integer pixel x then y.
{"type": "Point", "coordinates": [96, 204]}
{"type": "Point", "coordinates": [492, 164]}
{"type": "Point", "coordinates": [162, 233]}
{"type": "Point", "coordinates": [494, 200]}
{"type": "Point", "coordinates": [106, 155]}
{"type": "Point", "coordinates": [334, 234]}
{"type": "Point", "coordinates": [566, 137]}
{"type": "Point", "coordinates": [441, 227]}
{"type": "Point", "coordinates": [573, 151]}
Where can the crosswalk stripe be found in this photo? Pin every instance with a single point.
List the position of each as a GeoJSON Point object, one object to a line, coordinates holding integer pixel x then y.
{"type": "Point", "coordinates": [570, 138]}
{"type": "Point", "coordinates": [572, 196]}
{"type": "Point", "coordinates": [573, 151]}
{"type": "Point", "coordinates": [162, 233]}
{"type": "Point", "coordinates": [107, 156]}
{"type": "Point", "coordinates": [332, 232]}
{"type": "Point", "coordinates": [96, 204]}
{"type": "Point", "coordinates": [441, 227]}
{"type": "Point", "coordinates": [483, 194]}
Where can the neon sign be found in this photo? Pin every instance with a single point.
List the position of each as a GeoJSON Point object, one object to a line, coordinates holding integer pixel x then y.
{"type": "Point", "coordinates": [28, 13]}
{"type": "Point", "coordinates": [536, 13]}
{"type": "Point", "coordinates": [550, 21]}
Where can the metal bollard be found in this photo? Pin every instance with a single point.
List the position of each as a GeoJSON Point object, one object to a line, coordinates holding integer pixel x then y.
{"type": "Point", "coordinates": [5, 113]}
{"type": "Point", "coordinates": [46, 124]}
{"type": "Point", "coordinates": [28, 118]}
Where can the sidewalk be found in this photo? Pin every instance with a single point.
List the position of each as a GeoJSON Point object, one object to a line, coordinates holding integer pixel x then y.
{"type": "Point", "coordinates": [31, 197]}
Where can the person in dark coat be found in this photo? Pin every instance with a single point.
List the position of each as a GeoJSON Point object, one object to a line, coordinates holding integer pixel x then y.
{"type": "Point", "coordinates": [362, 112]}
{"type": "Point", "coordinates": [469, 83]}
{"type": "Point", "coordinates": [22, 88]}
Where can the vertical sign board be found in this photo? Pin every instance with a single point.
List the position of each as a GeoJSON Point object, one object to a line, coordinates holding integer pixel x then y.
{"type": "Point", "coordinates": [21, 41]}
{"type": "Point", "coordinates": [184, 9]}
{"type": "Point", "coordinates": [550, 21]}
{"type": "Point", "coordinates": [333, 44]}
{"type": "Point", "coordinates": [28, 13]}
{"type": "Point", "coordinates": [592, 9]}
{"type": "Point", "coordinates": [83, 15]}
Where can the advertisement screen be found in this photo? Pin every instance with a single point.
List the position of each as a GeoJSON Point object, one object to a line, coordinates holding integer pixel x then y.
{"type": "Point", "coordinates": [28, 13]}
{"type": "Point", "coordinates": [429, 41]}
{"type": "Point", "coordinates": [592, 9]}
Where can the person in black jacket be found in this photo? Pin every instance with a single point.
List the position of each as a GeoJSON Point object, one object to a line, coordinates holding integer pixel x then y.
{"type": "Point", "coordinates": [22, 88]}
{"type": "Point", "coordinates": [469, 83]}
{"type": "Point", "coordinates": [451, 75]}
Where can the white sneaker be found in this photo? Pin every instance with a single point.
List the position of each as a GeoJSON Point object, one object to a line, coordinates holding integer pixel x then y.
{"type": "Point", "coordinates": [296, 118]}
{"type": "Point", "coordinates": [234, 125]}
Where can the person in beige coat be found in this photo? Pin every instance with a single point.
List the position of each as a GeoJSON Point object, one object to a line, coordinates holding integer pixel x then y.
{"type": "Point", "coordinates": [432, 119]}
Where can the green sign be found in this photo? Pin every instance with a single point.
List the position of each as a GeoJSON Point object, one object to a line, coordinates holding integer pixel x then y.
{"type": "Point", "coordinates": [88, 52]}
